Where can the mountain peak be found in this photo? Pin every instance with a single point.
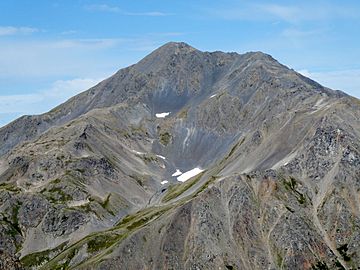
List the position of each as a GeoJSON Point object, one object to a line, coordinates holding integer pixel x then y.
{"type": "Point", "coordinates": [176, 46]}
{"type": "Point", "coordinates": [163, 55]}
{"type": "Point", "coordinates": [261, 149]}
{"type": "Point", "coordinates": [173, 48]}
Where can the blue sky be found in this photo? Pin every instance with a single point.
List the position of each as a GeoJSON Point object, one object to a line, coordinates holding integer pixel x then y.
{"type": "Point", "coordinates": [52, 50]}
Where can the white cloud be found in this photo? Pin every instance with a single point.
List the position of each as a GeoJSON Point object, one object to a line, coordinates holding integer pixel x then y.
{"type": "Point", "coordinates": [293, 14]}
{"type": "Point", "coordinates": [18, 103]}
{"type": "Point", "coordinates": [105, 8]}
{"type": "Point", "coordinates": [116, 9]}
{"type": "Point", "coordinates": [345, 80]}
{"type": "Point", "coordinates": [305, 72]}
{"type": "Point", "coordinates": [61, 58]}
{"type": "Point", "coordinates": [45, 100]}
{"type": "Point", "coordinates": [255, 12]}
{"type": "Point", "coordinates": [88, 60]}
{"type": "Point", "coordinates": [85, 43]}
{"type": "Point", "coordinates": [64, 89]}
{"type": "Point", "coordinates": [299, 33]}
{"type": "Point", "coordinates": [12, 30]}
{"type": "Point", "coordinates": [282, 12]}
{"type": "Point", "coordinates": [150, 13]}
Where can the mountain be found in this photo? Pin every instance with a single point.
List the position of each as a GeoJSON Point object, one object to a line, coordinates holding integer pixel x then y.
{"type": "Point", "coordinates": [186, 160]}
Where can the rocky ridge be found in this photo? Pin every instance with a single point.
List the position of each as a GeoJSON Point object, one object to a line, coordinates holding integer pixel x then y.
{"type": "Point", "coordinates": [81, 186]}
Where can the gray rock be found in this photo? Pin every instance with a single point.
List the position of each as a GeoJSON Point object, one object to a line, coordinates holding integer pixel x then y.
{"type": "Point", "coordinates": [280, 154]}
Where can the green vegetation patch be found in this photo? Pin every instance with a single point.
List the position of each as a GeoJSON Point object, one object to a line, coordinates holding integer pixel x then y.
{"type": "Point", "coordinates": [232, 151]}
{"type": "Point", "coordinates": [343, 252]}
{"type": "Point", "coordinates": [15, 219]}
{"type": "Point", "coordinates": [142, 218]}
{"type": "Point", "coordinates": [87, 208]}
{"type": "Point", "coordinates": [106, 204]}
{"type": "Point", "coordinates": [291, 185]}
{"type": "Point", "coordinates": [206, 185]}
{"type": "Point", "coordinates": [141, 179]}
{"type": "Point", "coordinates": [178, 189]}
{"type": "Point", "coordinates": [138, 131]}
{"type": "Point", "coordinates": [125, 134]}
{"type": "Point", "coordinates": [100, 242]}
{"type": "Point", "coordinates": [301, 199]}
{"type": "Point", "coordinates": [57, 262]}
{"type": "Point", "coordinates": [57, 195]}
{"type": "Point", "coordinates": [320, 266]}
{"type": "Point", "coordinates": [165, 138]}
{"type": "Point", "coordinates": [38, 258]}
{"type": "Point", "coordinates": [339, 265]}
{"type": "Point", "coordinates": [65, 265]}
{"type": "Point", "coordinates": [183, 113]}
{"type": "Point", "coordinates": [9, 187]}
{"type": "Point", "coordinates": [148, 158]}
{"type": "Point", "coordinates": [279, 260]}
{"type": "Point", "coordinates": [56, 181]}
{"type": "Point", "coordinates": [13, 228]}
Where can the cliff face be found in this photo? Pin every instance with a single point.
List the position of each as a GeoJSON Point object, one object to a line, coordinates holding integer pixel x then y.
{"type": "Point", "coordinates": [275, 159]}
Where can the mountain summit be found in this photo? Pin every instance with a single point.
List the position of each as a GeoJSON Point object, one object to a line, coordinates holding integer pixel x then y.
{"type": "Point", "coordinates": [186, 160]}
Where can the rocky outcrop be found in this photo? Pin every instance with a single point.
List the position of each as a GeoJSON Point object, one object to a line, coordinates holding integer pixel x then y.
{"type": "Point", "coordinates": [9, 263]}
{"type": "Point", "coordinates": [93, 183]}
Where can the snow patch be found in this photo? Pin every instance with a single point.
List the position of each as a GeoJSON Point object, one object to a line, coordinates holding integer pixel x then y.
{"type": "Point", "coordinates": [177, 173]}
{"type": "Point", "coordinates": [162, 157]}
{"type": "Point", "coordinates": [164, 182]}
{"type": "Point", "coordinates": [189, 174]}
{"type": "Point", "coordinates": [137, 152]}
{"type": "Point", "coordinates": [162, 115]}
{"type": "Point", "coordinates": [213, 96]}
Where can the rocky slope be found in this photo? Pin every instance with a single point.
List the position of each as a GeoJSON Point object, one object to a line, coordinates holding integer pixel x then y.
{"type": "Point", "coordinates": [91, 185]}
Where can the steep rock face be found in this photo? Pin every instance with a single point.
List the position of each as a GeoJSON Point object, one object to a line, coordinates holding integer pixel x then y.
{"type": "Point", "coordinates": [90, 184]}
{"type": "Point", "coordinates": [9, 263]}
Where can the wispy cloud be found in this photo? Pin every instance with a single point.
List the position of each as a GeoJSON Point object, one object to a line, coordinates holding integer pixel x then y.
{"type": "Point", "coordinates": [345, 80]}
{"type": "Point", "coordinates": [300, 33]}
{"type": "Point", "coordinates": [282, 12]}
{"type": "Point", "coordinates": [66, 57]}
{"type": "Point", "coordinates": [60, 57]}
{"type": "Point", "coordinates": [150, 13]}
{"type": "Point", "coordinates": [93, 43]}
{"type": "Point", "coordinates": [116, 9]}
{"type": "Point", "coordinates": [12, 30]}
{"type": "Point", "coordinates": [17, 103]}
{"type": "Point", "coordinates": [64, 89]}
{"type": "Point", "coordinates": [307, 12]}
{"type": "Point", "coordinates": [294, 14]}
{"type": "Point", "coordinates": [13, 106]}
{"type": "Point", "coordinates": [103, 7]}
{"type": "Point", "coordinates": [44, 100]}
